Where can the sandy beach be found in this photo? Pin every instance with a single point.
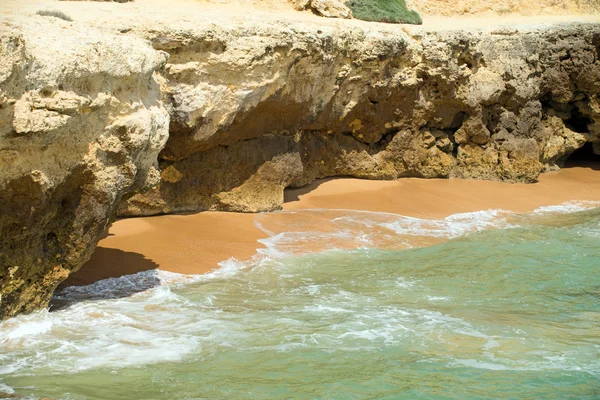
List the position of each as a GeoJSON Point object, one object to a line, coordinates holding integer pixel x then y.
{"type": "Point", "coordinates": [407, 288]}
{"type": "Point", "coordinates": [195, 244]}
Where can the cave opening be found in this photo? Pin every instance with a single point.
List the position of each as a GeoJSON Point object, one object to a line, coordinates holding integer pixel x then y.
{"type": "Point", "coordinates": [578, 122]}
{"type": "Point", "coordinates": [584, 156]}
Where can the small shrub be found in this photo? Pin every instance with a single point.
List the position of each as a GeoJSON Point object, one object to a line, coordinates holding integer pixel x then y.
{"type": "Point", "coordinates": [54, 13]}
{"type": "Point", "coordinates": [392, 11]}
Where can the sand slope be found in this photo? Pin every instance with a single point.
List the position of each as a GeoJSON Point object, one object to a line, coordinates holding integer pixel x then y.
{"type": "Point", "coordinates": [193, 244]}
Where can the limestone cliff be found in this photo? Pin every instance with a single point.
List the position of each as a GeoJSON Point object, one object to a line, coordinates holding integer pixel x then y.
{"type": "Point", "coordinates": [256, 110]}
{"type": "Point", "coordinates": [80, 126]}
{"type": "Point", "coordinates": [252, 107]}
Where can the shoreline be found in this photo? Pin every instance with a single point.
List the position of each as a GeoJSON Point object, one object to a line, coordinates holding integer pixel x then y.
{"type": "Point", "coordinates": [439, 198]}
{"type": "Point", "coordinates": [197, 243]}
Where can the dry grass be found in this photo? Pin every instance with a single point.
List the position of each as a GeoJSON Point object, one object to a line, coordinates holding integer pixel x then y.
{"type": "Point", "coordinates": [55, 14]}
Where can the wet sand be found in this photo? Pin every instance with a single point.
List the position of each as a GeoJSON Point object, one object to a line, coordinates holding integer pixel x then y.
{"type": "Point", "coordinates": [195, 244]}
{"type": "Point", "coordinates": [186, 244]}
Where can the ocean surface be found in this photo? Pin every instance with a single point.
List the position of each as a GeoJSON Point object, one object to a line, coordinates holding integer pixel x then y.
{"type": "Point", "coordinates": [339, 305]}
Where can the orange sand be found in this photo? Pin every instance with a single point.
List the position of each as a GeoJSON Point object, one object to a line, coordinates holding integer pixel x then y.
{"type": "Point", "coordinates": [187, 244]}
{"type": "Point", "coordinates": [196, 243]}
{"type": "Point", "coordinates": [439, 198]}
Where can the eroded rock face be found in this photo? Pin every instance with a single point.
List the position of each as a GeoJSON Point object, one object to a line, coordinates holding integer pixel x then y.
{"type": "Point", "coordinates": [255, 112]}
{"type": "Point", "coordinates": [80, 127]}
{"type": "Point", "coordinates": [324, 8]}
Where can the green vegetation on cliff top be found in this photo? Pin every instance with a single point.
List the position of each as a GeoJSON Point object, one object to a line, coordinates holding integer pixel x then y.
{"type": "Point", "coordinates": [393, 11]}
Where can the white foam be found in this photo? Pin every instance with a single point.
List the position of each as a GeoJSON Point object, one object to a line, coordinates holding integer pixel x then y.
{"type": "Point", "coordinates": [131, 347]}
{"type": "Point", "coordinates": [141, 282]}
{"type": "Point", "coordinates": [438, 298]}
{"type": "Point", "coordinates": [114, 333]}
{"type": "Point", "coordinates": [405, 284]}
{"type": "Point", "coordinates": [481, 365]}
{"type": "Point", "coordinates": [550, 363]}
{"type": "Point", "coordinates": [370, 335]}
{"type": "Point", "coordinates": [491, 344]}
{"type": "Point", "coordinates": [29, 328]}
{"type": "Point", "coordinates": [327, 229]}
{"type": "Point", "coordinates": [133, 320]}
{"type": "Point", "coordinates": [229, 268]}
{"type": "Point", "coordinates": [453, 226]}
{"type": "Point", "coordinates": [141, 319]}
{"type": "Point", "coordinates": [568, 207]}
{"type": "Point", "coordinates": [273, 243]}
{"type": "Point", "coordinates": [320, 308]}
{"type": "Point", "coordinates": [6, 389]}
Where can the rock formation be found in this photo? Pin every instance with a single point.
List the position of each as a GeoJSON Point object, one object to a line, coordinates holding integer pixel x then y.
{"type": "Point", "coordinates": [80, 126]}
{"type": "Point", "coordinates": [256, 112]}
{"type": "Point", "coordinates": [324, 8]}
{"type": "Point", "coordinates": [252, 108]}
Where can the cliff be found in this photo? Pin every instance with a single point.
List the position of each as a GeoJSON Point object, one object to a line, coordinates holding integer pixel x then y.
{"type": "Point", "coordinates": [258, 109]}
{"type": "Point", "coordinates": [80, 126]}
{"type": "Point", "coordinates": [252, 106]}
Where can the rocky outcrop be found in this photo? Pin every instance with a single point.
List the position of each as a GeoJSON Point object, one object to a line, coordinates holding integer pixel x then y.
{"type": "Point", "coordinates": [255, 111]}
{"type": "Point", "coordinates": [254, 107]}
{"type": "Point", "coordinates": [324, 8]}
{"type": "Point", "coordinates": [80, 127]}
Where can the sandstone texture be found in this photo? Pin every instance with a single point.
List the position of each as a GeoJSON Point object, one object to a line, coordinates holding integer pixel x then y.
{"type": "Point", "coordinates": [520, 7]}
{"type": "Point", "coordinates": [324, 8]}
{"type": "Point", "coordinates": [258, 110]}
{"type": "Point", "coordinates": [143, 115]}
{"type": "Point", "coordinates": [80, 126]}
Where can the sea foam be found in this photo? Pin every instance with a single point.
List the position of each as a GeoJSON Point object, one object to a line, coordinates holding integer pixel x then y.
{"type": "Point", "coordinates": [568, 207]}
{"type": "Point", "coordinates": [108, 323]}
{"type": "Point", "coordinates": [6, 389]}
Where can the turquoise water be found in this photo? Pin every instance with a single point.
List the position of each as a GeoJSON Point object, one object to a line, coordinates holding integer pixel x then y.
{"type": "Point", "coordinates": [508, 308]}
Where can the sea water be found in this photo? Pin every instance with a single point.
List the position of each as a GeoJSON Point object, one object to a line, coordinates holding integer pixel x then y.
{"type": "Point", "coordinates": [339, 305]}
